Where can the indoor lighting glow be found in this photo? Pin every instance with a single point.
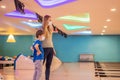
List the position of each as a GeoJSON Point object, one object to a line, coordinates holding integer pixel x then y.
{"type": "Point", "coordinates": [17, 26]}
{"type": "Point", "coordinates": [28, 14]}
{"type": "Point", "coordinates": [102, 33]}
{"type": "Point", "coordinates": [103, 30]}
{"type": "Point", "coordinates": [78, 18]}
{"type": "Point", "coordinates": [88, 32]}
{"type": "Point", "coordinates": [52, 3]}
{"type": "Point", "coordinates": [11, 39]}
{"type": "Point", "coordinates": [33, 24]}
{"type": "Point", "coordinates": [105, 26]}
{"type": "Point", "coordinates": [113, 10]}
{"type": "Point", "coordinates": [73, 27]}
{"type": "Point", "coordinates": [30, 20]}
{"type": "Point", "coordinates": [3, 6]}
{"type": "Point", "coordinates": [108, 20]}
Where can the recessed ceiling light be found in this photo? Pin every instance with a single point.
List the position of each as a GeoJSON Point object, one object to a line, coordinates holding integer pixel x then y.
{"type": "Point", "coordinates": [102, 33]}
{"type": "Point", "coordinates": [3, 6]}
{"type": "Point", "coordinates": [108, 20]}
{"type": "Point", "coordinates": [113, 9]}
{"type": "Point", "coordinates": [105, 26]}
{"type": "Point", "coordinates": [103, 30]}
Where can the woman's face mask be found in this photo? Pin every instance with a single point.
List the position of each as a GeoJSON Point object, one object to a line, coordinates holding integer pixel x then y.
{"type": "Point", "coordinates": [50, 23]}
{"type": "Point", "coordinates": [42, 38]}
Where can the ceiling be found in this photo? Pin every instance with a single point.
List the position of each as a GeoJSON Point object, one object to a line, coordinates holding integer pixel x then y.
{"type": "Point", "coordinates": [99, 11]}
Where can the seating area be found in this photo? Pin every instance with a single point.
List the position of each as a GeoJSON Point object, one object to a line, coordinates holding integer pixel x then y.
{"type": "Point", "coordinates": [86, 57]}
{"type": "Point", "coordinates": [6, 61]}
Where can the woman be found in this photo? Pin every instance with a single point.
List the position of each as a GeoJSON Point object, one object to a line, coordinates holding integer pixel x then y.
{"type": "Point", "coordinates": [47, 44]}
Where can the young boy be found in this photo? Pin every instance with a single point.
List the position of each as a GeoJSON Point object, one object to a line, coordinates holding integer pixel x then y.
{"type": "Point", "coordinates": [38, 54]}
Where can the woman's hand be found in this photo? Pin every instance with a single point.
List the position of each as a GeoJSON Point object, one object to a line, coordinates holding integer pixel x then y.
{"type": "Point", "coordinates": [54, 52]}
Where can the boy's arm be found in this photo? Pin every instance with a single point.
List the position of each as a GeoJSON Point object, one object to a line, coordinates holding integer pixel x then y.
{"type": "Point", "coordinates": [37, 48]}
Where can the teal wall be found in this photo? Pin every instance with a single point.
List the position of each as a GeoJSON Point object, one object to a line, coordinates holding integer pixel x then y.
{"type": "Point", "coordinates": [22, 45]}
{"type": "Point", "coordinates": [105, 48]}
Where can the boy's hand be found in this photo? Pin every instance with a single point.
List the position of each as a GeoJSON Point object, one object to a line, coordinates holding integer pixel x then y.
{"type": "Point", "coordinates": [38, 50]}
{"type": "Point", "coordinates": [38, 53]}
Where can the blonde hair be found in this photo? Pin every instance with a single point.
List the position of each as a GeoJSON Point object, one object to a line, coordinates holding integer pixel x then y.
{"type": "Point", "coordinates": [45, 25]}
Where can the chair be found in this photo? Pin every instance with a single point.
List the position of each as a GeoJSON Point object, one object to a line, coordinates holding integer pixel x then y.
{"type": "Point", "coordinates": [86, 57]}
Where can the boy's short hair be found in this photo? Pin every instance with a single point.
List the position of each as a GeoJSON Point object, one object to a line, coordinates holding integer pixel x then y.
{"type": "Point", "coordinates": [39, 32]}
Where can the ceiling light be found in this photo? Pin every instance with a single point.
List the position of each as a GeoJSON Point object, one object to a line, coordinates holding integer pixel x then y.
{"type": "Point", "coordinates": [3, 6]}
{"type": "Point", "coordinates": [105, 26]}
{"type": "Point", "coordinates": [103, 30]}
{"type": "Point", "coordinates": [28, 14]}
{"type": "Point", "coordinates": [85, 18]}
{"type": "Point", "coordinates": [108, 20]}
{"type": "Point", "coordinates": [102, 33]}
{"type": "Point", "coordinates": [113, 9]}
{"type": "Point", "coordinates": [11, 39]}
{"type": "Point", "coordinates": [30, 20]}
{"type": "Point", "coordinates": [87, 32]}
{"type": "Point", "coordinates": [52, 3]}
{"type": "Point", "coordinates": [33, 24]}
{"type": "Point", "coordinates": [74, 27]}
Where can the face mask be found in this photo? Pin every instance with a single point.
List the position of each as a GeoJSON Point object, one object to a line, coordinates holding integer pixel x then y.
{"type": "Point", "coordinates": [43, 38]}
{"type": "Point", "coordinates": [50, 23]}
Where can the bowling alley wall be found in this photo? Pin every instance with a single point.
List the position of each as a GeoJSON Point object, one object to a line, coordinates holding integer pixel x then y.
{"type": "Point", "coordinates": [105, 48]}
